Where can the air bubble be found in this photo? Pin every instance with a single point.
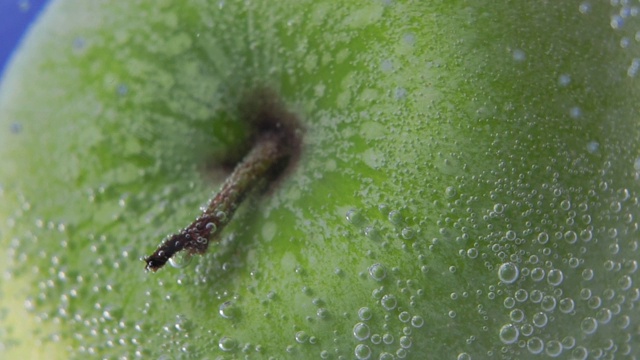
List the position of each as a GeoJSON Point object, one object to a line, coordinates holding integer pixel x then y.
{"type": "Point", "coordinates": [553, 348]}
{"type": "Point", "coordinates": [407, 233]}
{"type": "Point", "coordinates": [388, 302]}
{"type": "Point", "coordinates": [567, 305]}
{"type": "Point", "coordinates": [362, 352]}
{"type": "Point", "coordinates": [377, 272]}
{"type": "Point", "coordinates": [417, 321]}
{"type": "Point", "coordinates": [543, 238]}
{"type": "Point", "coordinates": [228, 310]}
{"type": "Point", "coordinates": [526, 329]}
{"type": "Point", "coordinates": [521, 295]}
{"type": "Point", "coordinates": [395, 217]}
{"type": "Point", "coordinates": [516, 315]}
{"type": "Point", "coordinates": [548, 303]}
{"type": "Point", "coordinates": [450, 191]}
{"type": "Point", "coordinates": [404, 317]}
{"type": "Point", "coordinates": [301, 337]}
{"type": "Point", "coordinates": [508, 273]}
{"type": "Point", "coordinates": [580, 353]}
{"type": "Point", "coordinates": [555, 277]}
{"type": "Point", "coordinates": [354, 217]}
{"type": "Point", "coordinates": [535, 345]}
{"type": "Point", "coordinates": [227, 344]}
{"type": "Point", "coordinates": [570, 237]}
{"type": "Point", "coordinates": [181, 259]}
{"type": "Point", "coordinates": [589, 325]}
{"type": "Point", "coordinates": [537, 274]}
{"type": "Point", "coordinates": [405, 342]}
{"type": "Point", "coordinates": [361, 331]}
{"type": "Point", "coordinates": [364, 313]}
{"type": "Point", "coordinates": [519, 55]}
{"type": "Point", "coordinates": [617, 22]}
{"type": "Point", "coordinates": [509, 334]}
{"type": "Point", "coordinates": [540, 319]}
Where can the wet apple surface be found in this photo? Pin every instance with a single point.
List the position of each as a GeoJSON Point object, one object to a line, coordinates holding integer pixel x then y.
{"type": "Point", "coordinates": [468, 186]}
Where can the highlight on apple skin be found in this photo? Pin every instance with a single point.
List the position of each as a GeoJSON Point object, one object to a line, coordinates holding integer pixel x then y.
{"type": "Point", "coordinates": [467, 186]}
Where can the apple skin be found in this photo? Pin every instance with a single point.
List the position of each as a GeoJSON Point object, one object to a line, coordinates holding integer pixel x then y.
{"type": "Point", "coordinates": [468, 186]}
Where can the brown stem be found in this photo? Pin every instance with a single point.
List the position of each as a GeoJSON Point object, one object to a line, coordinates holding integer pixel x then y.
{"type": "Point", "coordinates": [264, 161]}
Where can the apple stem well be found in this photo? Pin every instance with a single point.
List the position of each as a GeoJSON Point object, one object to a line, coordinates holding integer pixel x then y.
{"type": "Point", "coordinates": [274, 143]}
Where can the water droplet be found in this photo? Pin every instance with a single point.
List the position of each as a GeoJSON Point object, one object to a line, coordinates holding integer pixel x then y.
{"type": "Point", "coordinates": [361, 331]}
{"type": "Point", "coordinates": [509, 334]}
{"type": "Point", "coordinates": [508, 273]}
{"type": "Point", "coordinates": [464, 356]}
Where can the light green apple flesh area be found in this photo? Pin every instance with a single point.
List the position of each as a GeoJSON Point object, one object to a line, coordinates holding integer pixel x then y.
{"type": "Point", "coordinates": [468, 186]}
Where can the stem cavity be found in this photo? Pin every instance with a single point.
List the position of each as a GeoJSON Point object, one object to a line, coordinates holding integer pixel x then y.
{"type": "Point", "coordinates": [274, 142]}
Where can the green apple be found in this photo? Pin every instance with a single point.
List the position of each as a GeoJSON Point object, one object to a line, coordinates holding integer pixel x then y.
{"type": "Point", "coordinates": [467, 185]}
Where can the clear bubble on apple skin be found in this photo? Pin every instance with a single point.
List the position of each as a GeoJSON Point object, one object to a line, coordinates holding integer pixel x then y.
{"type": "Point", "coordinates": [228, 310]}
{"type": "Point", "coordinates": [377, 272]}
{"type": "Point", "coordinates": [508, 273]}
{"type": "Point", "coordinates": [361, 331]}
{"type": "Point", "coordinates": [362, 352]}
{"type": "Point", "coordinates": [355, 217]}
{"type": "Point", "coordinates": [364, 313]}
{"type": "Point", "coordinates": [509, 334]}
{"type": "Point", "coordinates": [389, 302]}
{"type": "Point", "coordinates": [227, 344]}
{"type": "Point", "coordinates": [181, 259]}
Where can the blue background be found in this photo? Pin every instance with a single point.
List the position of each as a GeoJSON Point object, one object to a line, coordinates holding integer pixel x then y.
{"type": "Point", "coordinates": [15, 18]}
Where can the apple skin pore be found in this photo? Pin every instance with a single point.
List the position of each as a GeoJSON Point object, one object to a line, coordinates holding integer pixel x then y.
{"type": "Point", "coordinates": [467, 186]}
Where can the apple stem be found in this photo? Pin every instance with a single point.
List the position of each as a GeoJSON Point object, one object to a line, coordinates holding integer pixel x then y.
{"type": "Point", "coordinates": [265, 160]}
